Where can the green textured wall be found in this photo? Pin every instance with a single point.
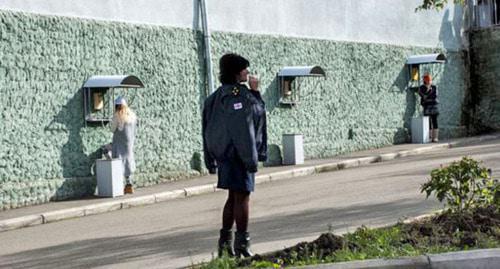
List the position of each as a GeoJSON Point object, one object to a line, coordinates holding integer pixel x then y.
{"type": "Point", "coordinates": [485, 93]}
{"type": "Point", "coordinates": [47, 152]}
{"type": "Point", "coordinates": [364, 102]}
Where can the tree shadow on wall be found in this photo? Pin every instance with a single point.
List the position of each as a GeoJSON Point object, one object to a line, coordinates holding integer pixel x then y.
{"type": "Point", "coordinates": [271, 96]}
{"type": "Point", "coordinates": [196, 162]}
{"type": "Point", "coordinates": [450, 37]}
{"type": "Point", "coordinates": [450, 32]}
{"type": "Point", "coordinates": [402, 85]}
{"type": "Point", "coordinates": [202, 85]}
{"type": "Point", "coordinates": [76, 165]}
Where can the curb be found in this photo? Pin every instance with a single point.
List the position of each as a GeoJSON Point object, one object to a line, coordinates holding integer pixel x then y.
{"type": "Point", "coordinates": [99, 208]}
{"type": "Point", "coordinates": [482, 258]}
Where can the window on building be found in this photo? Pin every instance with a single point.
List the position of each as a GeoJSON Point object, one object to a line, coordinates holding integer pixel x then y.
{"type": "Point", "coordinates": [487, 13]}
{"type": "Point", "coordinates": [497, 12]}
{"type": "Point", "coordinates": [483, 12]}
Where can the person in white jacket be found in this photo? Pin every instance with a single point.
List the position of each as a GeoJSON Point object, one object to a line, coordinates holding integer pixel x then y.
{"type": "Point", "coordinates": [123, 127]}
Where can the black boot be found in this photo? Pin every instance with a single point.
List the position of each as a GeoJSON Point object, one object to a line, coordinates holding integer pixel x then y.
{"type": "Point", "coordinates": [225, 243]}
{"type": "Point", "coordinates": [242, 245]}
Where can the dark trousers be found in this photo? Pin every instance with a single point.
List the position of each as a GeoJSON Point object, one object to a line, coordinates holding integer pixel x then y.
{"type": "Point", "coordinates": [433, 122]}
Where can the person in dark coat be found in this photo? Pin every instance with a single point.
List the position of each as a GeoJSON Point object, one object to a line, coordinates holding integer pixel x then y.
{"type": "Point", "coordinates": [429, 101]}
{"type": "Point", "coordinates": [234, 140]}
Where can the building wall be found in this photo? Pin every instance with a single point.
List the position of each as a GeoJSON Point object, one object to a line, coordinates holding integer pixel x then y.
{"type": "Point", "coordinates": [364, 102]}
{"type": "Point", "coordinates": [484, 99]}
{"type": "Point", "coordinates": [374, 21]}
{"type": "Point", "coordinates": [47, 151]}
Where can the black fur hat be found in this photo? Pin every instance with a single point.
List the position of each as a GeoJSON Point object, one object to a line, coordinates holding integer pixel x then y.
{"type": "Point", "coordinates": [230, 66]}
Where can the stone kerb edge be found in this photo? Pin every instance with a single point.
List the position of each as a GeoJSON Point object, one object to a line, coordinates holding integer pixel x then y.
{"type": "Point", "coordinates": [102, 208]}
{"type": "Point", "coordinates": [327, 167]}
{"type": "Point", "coordinates": [63, 214]}
{"type": "Point", "coordinates": [138, 201]}
{"type": "Point", "coordinates": [169, 195]}
{"type": "Point", "coordinates": [197, 190]}
{"type": "Point", "coordinates": [418, 262]}
{"type": "Point", "coordinates": [16, 223]}
{"type": "Point", "coordinates": [481, 258]}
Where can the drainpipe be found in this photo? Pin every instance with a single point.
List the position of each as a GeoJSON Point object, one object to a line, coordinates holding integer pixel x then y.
{"type": "Point", "coordinates": [206, 39]}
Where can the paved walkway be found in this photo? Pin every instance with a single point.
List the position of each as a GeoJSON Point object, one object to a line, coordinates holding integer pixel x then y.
{"type": "Point", "coordinates": [56, 211]}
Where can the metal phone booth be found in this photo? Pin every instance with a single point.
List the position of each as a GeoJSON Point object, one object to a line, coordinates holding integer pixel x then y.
{"type": "Point", "coordinates": [98, 106]}
{"type": "Point", "coordinates": [289, 92]}
{"type": "Point", "coordinates": [289, 83]}
{"type": "Point", "coordinates": [420, 124]}
{"type": "Point", "coordinates": [99, 96]}
{"type": "Point", "coordinates": [414, 61]}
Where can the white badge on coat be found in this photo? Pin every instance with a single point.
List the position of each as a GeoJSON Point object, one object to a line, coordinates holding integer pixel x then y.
{"type": "Point", "coordinates": [238, 106]}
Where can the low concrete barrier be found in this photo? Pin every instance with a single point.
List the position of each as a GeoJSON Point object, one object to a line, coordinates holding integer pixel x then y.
{"type": "Point", "coordinates": [472, 259]}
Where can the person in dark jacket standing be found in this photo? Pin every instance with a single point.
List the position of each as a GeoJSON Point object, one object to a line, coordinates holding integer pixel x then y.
{"type": "Point", "coordinates": [429, 101]}
{"type": "Point", "coordinates": [234, 140]}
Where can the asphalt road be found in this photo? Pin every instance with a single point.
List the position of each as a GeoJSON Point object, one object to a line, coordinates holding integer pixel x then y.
{"type": "Point", "coordinates": [182, 232]}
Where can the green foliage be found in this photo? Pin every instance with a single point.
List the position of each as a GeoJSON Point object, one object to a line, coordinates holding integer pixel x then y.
{"type": "Point", "coordinates": [496, 194]}
{"type": "Point", "coordinates": [376, 243]}
{"type": "Point", "coordinates": [435, 249]}
{"type": "Point", "coordinates": [224, 262]}
{"type": "Point", "coordinates": [265, 264]}
{"type": "Point", "coordinates": [463, 185]}
{"type": "Point", "coordinates": [436, 4]}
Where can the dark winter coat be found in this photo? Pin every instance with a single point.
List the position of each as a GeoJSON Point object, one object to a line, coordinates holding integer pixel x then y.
{"type": "Point", "coordinates": [429, 100]}
{"type": "Point", "coordinates": [234, 120]}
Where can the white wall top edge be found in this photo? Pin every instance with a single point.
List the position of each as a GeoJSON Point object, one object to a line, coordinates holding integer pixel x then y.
{"type": "Point", "coordinates": [374, 21]}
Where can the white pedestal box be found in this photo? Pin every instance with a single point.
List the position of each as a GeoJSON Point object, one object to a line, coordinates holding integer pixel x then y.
{"type": "Point", "coordinates": [109, 177]}
{"type": "Point", "coordinates": [420, 130]}
{"type": "Point", "coordinates": [293, 150]}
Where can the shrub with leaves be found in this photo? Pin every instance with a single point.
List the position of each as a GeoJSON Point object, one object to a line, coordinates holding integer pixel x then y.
{"type": "Point", "coordinates": [463, 184]}
{"type": "Point", "coordinates": [436, 4]}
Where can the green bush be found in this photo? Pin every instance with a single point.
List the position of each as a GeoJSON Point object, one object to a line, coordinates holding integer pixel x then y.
{"type": "Point", "coordinates": [436, 4]}
{"type": "Point", "coordinates": [463, 184]}
{"type": "Point", "coordinates": [375, 243]}
{"type": "Point", "coordinates": [224, 262]}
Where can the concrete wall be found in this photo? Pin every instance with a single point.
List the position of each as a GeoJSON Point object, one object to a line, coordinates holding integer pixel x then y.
{"type": "Point", "coordinates": [46, 149]}
{"type": "Point", "coordinates": [484, 98]}
{"type": "Point", "coordinates": [47, 152]}
{"type": "Point", "coordinates": [364, 101]}
{"type": "Point", "coordinates": [379, 21]}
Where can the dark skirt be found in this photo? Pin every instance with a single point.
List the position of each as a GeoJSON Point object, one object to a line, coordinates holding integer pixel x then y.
{"type": "Point", "coordinates": [233, 176]}
{"type": "Point", "coordinates": [431, 110]}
